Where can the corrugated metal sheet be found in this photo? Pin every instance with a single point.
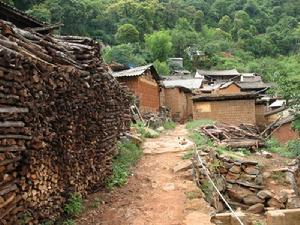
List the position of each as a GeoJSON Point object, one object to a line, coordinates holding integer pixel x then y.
{"type": "Point", "coordinates": [137, 71]}
{"type": "Point", "coordinates": [185, 83]}
{"type": "Point", "coordinates": [233, 72]}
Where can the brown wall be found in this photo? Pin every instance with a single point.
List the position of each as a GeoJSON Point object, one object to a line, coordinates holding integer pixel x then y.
{"type": "Point", "coordinates": [260, 110]}
{"type": "Point", "coordinates": [227, 111]}
{"type": "Point", "coordinates": [233, 88]}
{"type": "Point", "coordinates": [146, 89]}
{"type": "Point", "coordinates": [285, 133]}
{"type": "Point", "coordinates": [180, 104]}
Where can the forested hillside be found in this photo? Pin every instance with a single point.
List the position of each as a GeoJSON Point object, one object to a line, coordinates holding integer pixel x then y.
{"type": "Point", "coordinates": [251, 35]}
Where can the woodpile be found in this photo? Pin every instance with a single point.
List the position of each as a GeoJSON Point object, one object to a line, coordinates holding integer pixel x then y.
{"type": "Point", "coordinates": [61, 115]}
{"type": "Point", "coordinates": [242, 136]}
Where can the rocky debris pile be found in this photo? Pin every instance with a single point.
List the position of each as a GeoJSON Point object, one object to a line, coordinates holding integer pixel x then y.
{"type": "Point", "coordinates": [242, 136]}
{"type": "Point", "coordinates": [156, 120]}
{"type": "Point", "coordinates": [61, 115]}
{"type": "Point", "coordinates": [242, 183]}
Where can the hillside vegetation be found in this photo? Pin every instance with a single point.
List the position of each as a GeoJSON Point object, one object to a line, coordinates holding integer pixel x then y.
{"type": "Point", "coordinates": [251, 35]}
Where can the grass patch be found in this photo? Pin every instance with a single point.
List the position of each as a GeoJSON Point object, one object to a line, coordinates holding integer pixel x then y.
{"type": "Point", "coordinates": [198, 123]}
{"type": "Point", "coordinates": [278, 176]}
{"type": "Point", "coordinates": [129, 154]}
{"type": "Point", "coordinates": [69, 222]}
{"type": "Point", "coordinates": [188, 155]}
{"type": "Point", "coordinates": [206, 187]}
{"type": "Point", "coordinates": [144, 131]}
{"type": "Point", "coordinates": [96, 203]}
{"type": "Point", "coordinates": [200, 140]}
{"type": "Point", "coordinates": [169, 125]}
{"type": "Point", "coordinates": [193, 194]}
{"type": "Point", "coordinates": [258, 223]}
{"type": "Point", "coordinates": [289, 150]}
{"type": "Point", "coordinates": [74, 205]}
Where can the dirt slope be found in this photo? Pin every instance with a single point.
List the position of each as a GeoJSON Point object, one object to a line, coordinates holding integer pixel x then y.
{"type": "Point", "coordinates": [155, 195]}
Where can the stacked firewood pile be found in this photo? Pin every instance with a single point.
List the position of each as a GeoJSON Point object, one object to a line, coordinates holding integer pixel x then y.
{"type": "Point", "coordinates": [242, 136]}
{"type": "Point", "coordinates": [61, 114]}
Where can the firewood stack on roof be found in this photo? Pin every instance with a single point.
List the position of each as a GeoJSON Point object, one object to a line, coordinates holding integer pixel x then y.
{"type": "Point", "coordinates": [61, 115]}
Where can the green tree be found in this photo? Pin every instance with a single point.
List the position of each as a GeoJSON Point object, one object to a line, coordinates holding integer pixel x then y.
{"type": "Point", "coordinates": [225, 23]}
{"type": "Point", "coordinates": [162, 68]}
{"type": "Point", "coordinates": [159, 44]}
{"type": "Point", "coordinates": [40, 12]}
{"type": "Point", "coordinates": [127, 33]}
{"type": "Point", "coordinates": [199, 20]}
{"type": "Point", "coordinates": [124, 54]}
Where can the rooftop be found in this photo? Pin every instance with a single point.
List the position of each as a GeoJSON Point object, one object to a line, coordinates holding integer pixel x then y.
{"type": "Point", "coordinates": [137, 71]}
{"type": "Point", "coordinates": [18, 17]}
{"type": "Point", "coordinates": [185, 83]}
{"type": "Point", "coordinates": [222, 97]}
{"type": "Point", "coordinates": [210, 73]}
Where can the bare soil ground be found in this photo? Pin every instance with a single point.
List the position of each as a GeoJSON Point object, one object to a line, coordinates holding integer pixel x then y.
{"type": "Point", "coordinates": [154, 195]}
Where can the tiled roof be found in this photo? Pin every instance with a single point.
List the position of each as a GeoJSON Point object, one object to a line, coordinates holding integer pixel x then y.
{"type": "Point", "coordinates": [186, 83]}
{"type": "Point", "coordinates": [137, 71]}
{"type": "Point", "coordinates": [211, 73]}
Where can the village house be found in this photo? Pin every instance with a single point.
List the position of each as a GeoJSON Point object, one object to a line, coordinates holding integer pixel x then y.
{"type": "Point", "coordinates": [218, 75]}
{"type": "Point", "coordinates": [143, 81]}
{"type": "Point", "coordinates": [177, 95]}
{"type": "Point", "coordinates": [230, 108]}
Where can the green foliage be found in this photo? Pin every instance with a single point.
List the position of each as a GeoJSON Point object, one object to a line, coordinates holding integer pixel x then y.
{"type": "Point", "coordinates": [144, 131]}
{"type": "Point", "coordinates": [96, 203]}
{"type": "Point", "coordinates": [189, 154]}
{"type": "Point", "coordinates": [252, 36]}
{"type": "Point", "coordinates": [278, 176]}
{"type": "Point", "coordinates": [294, 148]}
{"type": "Point", "coordinates": [159, 44]}
{"type": "Point", "coordinates": [69, 222]}
{"type": "Point", "coordinates": [191, 125]}
{"type": "Point", "coordinates": [169, 125]}
{"type": "Point", "coordinates": [296, 124]}
{"type": "Point", "coordinates": [129, 154]}
{"type": "Point", "coordinates": [258, 223]}
{"type": "Point", "coordinates": [124, 53]}
{"type": "Point", "coordinates": [161, 67]}
{"type": "Point", "coordinates": [206, 187]}
{"type": "Point", "coordinates": [74, 205]}
{"type": "Point", "coordinates": [127, 33]}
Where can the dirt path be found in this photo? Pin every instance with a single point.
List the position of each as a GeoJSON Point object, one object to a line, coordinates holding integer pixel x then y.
{"type": "Point", "coordinates": [155, 194]}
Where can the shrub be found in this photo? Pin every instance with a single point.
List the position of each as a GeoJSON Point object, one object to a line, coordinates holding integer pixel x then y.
{"type": "Point", "coordinates": [198, 123]}
{"type": "Point", "coordinates": [169, 125]}
{"type": "Point", "coordinates": [74, 205]}
{"type": "Point", "coordinates": [294, 148]}
{"type": "Point", "coordinates": [129, 154]}
{"type": "Point", "coordinates": [69, 222]}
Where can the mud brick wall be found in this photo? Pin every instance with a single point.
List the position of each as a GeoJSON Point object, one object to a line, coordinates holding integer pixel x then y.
{"type": "Point", "coordinates": [147, 91]}
{"type": "Point", "coordinates": [226, 111]}
{"type": "Point", "coordinates": [285, 133]}
{"type": "Point", "coordinates": [260, 110]}
{"type": "Point", "coordinates": [233, 88]}
{"type": "Point", "coordinates": [177, 101]}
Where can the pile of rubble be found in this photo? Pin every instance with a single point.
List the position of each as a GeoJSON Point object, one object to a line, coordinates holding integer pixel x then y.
{"type": "Point", "coordinates": [242, 136]}
{"type": "Point", "coordinates": [243, 184]}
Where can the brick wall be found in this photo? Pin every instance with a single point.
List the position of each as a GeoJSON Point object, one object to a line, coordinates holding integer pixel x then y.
{"type": "Point", "coordinates": [285, 133]}
{"type": "Point", "coordinates": [260, 110]}
{"type": "Point", "coordinates": [233, 88]}
{"type": "Point", "coordinates": [146, 89]}
{"type": "Point", "coordinates": [176, 100]}
{"type": "Point", "coordinates": [227, 111]}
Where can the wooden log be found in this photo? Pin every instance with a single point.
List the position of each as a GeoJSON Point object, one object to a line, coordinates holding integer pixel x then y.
{"type": "Point", "coordinates": [15, 136]}
{"type": "Point", "coordinates": [12, 149]}
{"type": "Point", "coordinates": [12, 124]}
